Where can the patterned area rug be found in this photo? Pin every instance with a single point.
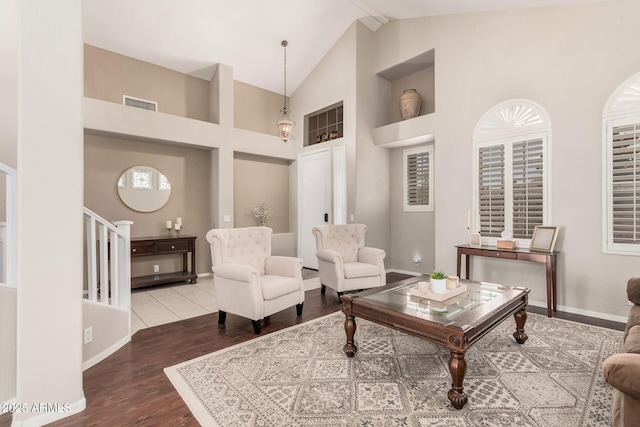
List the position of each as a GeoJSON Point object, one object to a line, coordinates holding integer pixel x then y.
{"type": "Point", "coordinates": [300, 376]}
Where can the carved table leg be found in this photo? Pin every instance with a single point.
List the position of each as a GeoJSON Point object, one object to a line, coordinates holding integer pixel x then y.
{"type": "Point", "coordinates": [457, 367]}
{"type": "Point", "coordinates": [521, 318]}
{"type": "Point", "coordinates": [350, 328]}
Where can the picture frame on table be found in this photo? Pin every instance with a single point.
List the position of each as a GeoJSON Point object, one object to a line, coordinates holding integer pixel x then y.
{"type": "Point", "coordinates": [544, 238]}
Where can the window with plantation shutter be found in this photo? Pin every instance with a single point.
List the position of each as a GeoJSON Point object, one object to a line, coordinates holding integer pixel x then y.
{"type": "Point", "coordinates": [621, 168]}
{"type": "Point", "coordinates": [624, 177]}
{"type": "Point", "coordinates": [491, 189]}
{"type": "Point", "coordinates": [528, 194]}
{"type": "Point", "coordinates": [510, 164]}
{"type": "Point", "coordinates": [418, 179]}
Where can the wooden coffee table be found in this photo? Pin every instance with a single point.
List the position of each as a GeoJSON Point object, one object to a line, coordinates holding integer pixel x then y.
{"type": "Point", "coordinates": [456, 323]}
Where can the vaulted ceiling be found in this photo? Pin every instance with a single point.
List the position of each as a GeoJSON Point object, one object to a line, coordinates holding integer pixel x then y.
{"type": "Point", "coordinates": [192, 36]}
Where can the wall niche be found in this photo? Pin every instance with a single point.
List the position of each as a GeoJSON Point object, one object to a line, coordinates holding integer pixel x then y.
{"type": "Point", "coordinates": [416, 73]}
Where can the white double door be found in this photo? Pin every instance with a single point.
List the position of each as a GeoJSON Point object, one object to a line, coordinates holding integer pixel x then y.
{"type": "Point", "coordinates": [321, 197]}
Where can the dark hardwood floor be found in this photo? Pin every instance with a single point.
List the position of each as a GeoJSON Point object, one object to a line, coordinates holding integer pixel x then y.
{"type": "Point", "coordinates": [130, 387]}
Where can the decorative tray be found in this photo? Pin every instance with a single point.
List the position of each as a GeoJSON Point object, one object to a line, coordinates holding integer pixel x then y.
{"type": "Point", "coordinates": [415, 291]}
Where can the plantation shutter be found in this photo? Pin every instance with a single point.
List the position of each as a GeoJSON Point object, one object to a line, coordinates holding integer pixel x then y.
{"type": "Point", "coordinates": [418, 165]}
{"type": "Point", "coordinates": [625, 180]}
{"type": "Point", "coordinates": [527, 181]}
{"type": "Point", "coordinates": [491, 189]}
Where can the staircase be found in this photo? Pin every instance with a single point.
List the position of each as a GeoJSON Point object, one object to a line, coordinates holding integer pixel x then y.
{"type": "Point", "coordinates": [107, 305]}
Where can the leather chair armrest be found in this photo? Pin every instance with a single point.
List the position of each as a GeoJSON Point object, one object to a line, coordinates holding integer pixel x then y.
{"type": "Point", "coordinates": [284, 266]}
{"type": "Point", "coordinates": [329, 255]}
{"type": "Point", "coordinates": [622, 371]}
{"type": "Point", "coordinates": [239, 272]}
{"type": "Point", "coordinates": [371, 255]}
{"type": "Point", "coordinates": [633, 290]}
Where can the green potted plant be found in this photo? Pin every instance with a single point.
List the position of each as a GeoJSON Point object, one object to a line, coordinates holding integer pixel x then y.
{"type": "Point", "coordinates": [438, 282]}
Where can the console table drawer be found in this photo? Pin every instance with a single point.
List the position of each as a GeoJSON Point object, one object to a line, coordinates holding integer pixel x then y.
{"type": "Point", "coordinates": [141, 248]}
{"type": "Point", "coordinates": [491, 253]}
{"type": "Point", "coordinates": [505, 254]}
{"type": "Point", "coordinates": [177, 246]}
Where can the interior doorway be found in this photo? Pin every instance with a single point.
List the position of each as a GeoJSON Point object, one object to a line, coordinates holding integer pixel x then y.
{"type": "Point", "coordinates": [314, 201]}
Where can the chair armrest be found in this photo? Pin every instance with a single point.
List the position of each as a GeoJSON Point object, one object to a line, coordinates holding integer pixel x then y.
{"type": "Point", "coordinates": [329, 256]}
{"type": "Point", "coordinates": [371, 255]}
{"type": "Point", "coordinates": [622, 371]}
{"type": "Point", "coordinates": [238, 272]}
{"type": "Point", "coordinates": [284, 266]}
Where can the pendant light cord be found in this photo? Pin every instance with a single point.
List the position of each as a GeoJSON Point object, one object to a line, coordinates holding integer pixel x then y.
{"type": "Point", "coordinates": [284, 45]}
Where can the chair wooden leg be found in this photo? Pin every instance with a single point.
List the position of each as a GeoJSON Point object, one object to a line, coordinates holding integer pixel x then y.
{"type": "Point", "coordinates": [256, 326]}
{"type": "Point", "coordinates": [222, 317]}
{"type": "Point", "coordinates": [323, 289]}
{"type": "Point", "coordinates": [299, 308]}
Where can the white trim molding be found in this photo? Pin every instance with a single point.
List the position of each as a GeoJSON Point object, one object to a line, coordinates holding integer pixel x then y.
{"type": "Point", "coordinates": [621, 110]}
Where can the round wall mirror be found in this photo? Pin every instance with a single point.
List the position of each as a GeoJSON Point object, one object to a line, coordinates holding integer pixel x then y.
{"type": "Point", "coordinates": [144, 189]}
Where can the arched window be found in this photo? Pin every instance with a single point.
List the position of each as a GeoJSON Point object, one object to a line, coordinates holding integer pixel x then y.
{"type": "Point", "coordinates": [511, 170]}
{"type": "Point", "coordinates": [621, 167]}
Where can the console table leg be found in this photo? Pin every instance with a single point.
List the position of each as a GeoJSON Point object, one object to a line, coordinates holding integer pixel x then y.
{"type": "Point", "coordinates": [350, 328]}
{"type": "Point", "coordinates": [550, 293]}
{"type": "Point", "coordinates": [457, 367]}
{"type": "Point", "coordinates": [519, 334]}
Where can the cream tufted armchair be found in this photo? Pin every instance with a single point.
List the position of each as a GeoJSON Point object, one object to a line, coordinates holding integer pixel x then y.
{"type": "Point", "coordinates": [344, 263]}
{"type": "Point", "coordinates": [248, 281]}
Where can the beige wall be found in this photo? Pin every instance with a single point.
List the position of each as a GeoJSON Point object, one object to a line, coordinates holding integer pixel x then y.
{"type": "Point", "coordinates": [188, 171]}
{"type": "Point", "coordinates": [8, 313]}
{"type": "Point", "coordinates": [108, 76]}
{"type": "Point", "coordinates": [259, 179]}
{"type": "Point", "coordinates": [256, 109]}
{"type": "Point", "coordinates": [561, 58]}
{"type": "Point", "coordinates": [412, 232]}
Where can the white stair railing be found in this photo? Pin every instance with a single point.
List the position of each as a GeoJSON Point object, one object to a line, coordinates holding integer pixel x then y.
{"type": "Point", "coordinates": [108, 261]}
{"type": "Point", "coordinates": [8, 229]}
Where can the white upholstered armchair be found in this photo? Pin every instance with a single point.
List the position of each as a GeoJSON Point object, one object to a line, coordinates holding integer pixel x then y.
{"type": "Point", "coordinates": [248, 281]}
{"type": "Point", "coordinates": [344, 262]}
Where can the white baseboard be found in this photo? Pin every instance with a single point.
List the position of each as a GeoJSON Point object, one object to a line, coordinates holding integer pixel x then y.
{"type": "Point", "coordinates": [49, 417]}
{"type": "Point", "coordinates": [204, 274]}
{"type": "Point", "coordinates": [106, 353]}
{"type": "Point", "coordinates": [588, 313]}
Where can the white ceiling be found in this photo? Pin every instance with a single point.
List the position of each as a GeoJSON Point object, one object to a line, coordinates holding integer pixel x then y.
{"type": "Point", "coordinates": [192, 36]}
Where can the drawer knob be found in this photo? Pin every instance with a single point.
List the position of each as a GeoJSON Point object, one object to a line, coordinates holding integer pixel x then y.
{"type": "Point", "coordinates": [173, 247]}
{"type": "Point", "coordinates": [498, 254]}
{"type": "Point", "coordinates": [134, 250]}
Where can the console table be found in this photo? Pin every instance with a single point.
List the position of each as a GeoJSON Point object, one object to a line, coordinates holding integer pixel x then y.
{"type": "Point", "coordinates": [549, 259]}
{"type": "Point", "coordinates": [148, 246]}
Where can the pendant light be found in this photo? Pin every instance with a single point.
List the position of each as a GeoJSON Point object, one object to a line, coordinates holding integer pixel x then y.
{"type": "Point", "coordinates": [285, 124]}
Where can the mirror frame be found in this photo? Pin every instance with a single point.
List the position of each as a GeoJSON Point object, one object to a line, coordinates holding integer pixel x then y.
{"type": "Point", "coordinates": [152, 191]}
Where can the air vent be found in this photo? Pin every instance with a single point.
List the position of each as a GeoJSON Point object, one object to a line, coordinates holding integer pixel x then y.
{"type": "Point", "coordinates": [139, 103]}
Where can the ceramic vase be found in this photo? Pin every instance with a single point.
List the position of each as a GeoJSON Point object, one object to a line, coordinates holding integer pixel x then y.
{"type": "Point", "coordinates": [438, 286]}
{"type": "Point", "coordinates": [410, 102]}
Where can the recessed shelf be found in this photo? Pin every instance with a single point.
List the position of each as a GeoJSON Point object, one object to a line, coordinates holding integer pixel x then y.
{"type": "Point", "coordinates": [415, 73]}
{"type": "Point", "coordinates": [414, 131]}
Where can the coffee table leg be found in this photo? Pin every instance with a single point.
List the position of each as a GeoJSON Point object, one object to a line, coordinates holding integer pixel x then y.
{"type": "Point", "coordinates": [521, 318]}
{"type": "Point", "coordinates": [457, 367]}
{"type": "Point", "coordinates": [350, 328]}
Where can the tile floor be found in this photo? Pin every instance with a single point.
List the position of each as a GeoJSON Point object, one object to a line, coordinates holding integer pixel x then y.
{"type": "Point", "coordinates": [170, 303]}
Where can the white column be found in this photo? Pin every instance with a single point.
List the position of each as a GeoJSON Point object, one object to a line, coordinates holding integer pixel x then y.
{"type": "Point", "coordinates": [50, 220]}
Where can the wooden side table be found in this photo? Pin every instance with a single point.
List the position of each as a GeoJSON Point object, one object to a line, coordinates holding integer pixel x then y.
{"type": "Point", "coordinates": [547, 258]}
